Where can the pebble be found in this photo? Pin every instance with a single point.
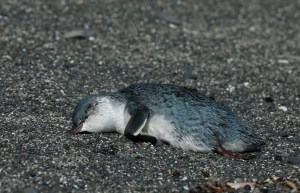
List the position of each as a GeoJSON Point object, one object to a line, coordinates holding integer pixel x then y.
{"type": "Point", "coordinates": [184, 178]}
{"type": "Point", "coordinates": [238, 180]}
{"type": "Point", "coordinates": [246, 84]}
{"type": "Point", "coordinates": [32, 174]}
{"type": "Point", "coordinates": [252, 29]}
{"type": "Point", "coordinates": [79, 34]}
{"type": "Point", "coordinates": [168, 18]}
{"type": "Point", "coordinates": [295, 160]}
{"type": "Point", "coordinates": [282, 61]}
{"type": "Point", "coordinates": [171, 25]}
{"type": "Point", "coordinates": [285, 133]}
{"type": "Point", "coordinates": [63, 179]}
{"type": "Point", "coordinates": [283, 108]}
{"type": "Point", "coordinates": [185, 188]}
{"type": "Point", "coordinates": [230, 88]}
{"type": "Point", "coordinates": [297, 140]}
{"type": "Point", "coordinates": [269, 99]}
{"type": "Point", "coordinates": [29, 190]}
{"type": "Point", "coordinates": [75, 186]}
{"type": "Point", "coordinates": [190, 74]}
{"type": "Point", "coordinates": [230, 60]}
{"type": "Point", "coordinates": [247, 187]}
{"type": "Point", "coordinates": [272, 191]}
{"type": "Point", "coordinates": [277, 158]}
{"type": "Point", "coordinates": [228, 170]}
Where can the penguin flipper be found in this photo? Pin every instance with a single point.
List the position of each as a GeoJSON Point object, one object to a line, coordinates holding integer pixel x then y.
{"type": "Point", "coordinates": [135, 125]}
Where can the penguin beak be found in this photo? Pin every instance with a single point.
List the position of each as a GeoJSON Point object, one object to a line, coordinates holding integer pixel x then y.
{"type": "Point", "coordinates": [77, 129]}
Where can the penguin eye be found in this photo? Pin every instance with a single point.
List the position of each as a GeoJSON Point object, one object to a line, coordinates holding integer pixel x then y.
{"type": "Point", "coordinates": [91, 106]}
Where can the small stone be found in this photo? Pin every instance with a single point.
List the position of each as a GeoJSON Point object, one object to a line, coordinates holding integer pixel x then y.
{"type": "Point", "coordinates": [283, 108]}
{"type": "Point", "coordinates": [66, 147]}
{"type": "Point", "coordinates": [230, 60]}
{"type": "Point", "coordinates": [285, 154]}
{"type": "Point", "coordinates": [32, 174]}
{"type": "Point", "coordinates": [205, 173]}
{"type": "Point", "coordinates": [283, 61]}
{"type": "Point", "coordinates": [171, 25]}
{"type": "Point", "coordinates": [139, 156]}
{"type": "Point", "coordinates": [278, 158]}
{"type": "Point", "coordinates": [272, 191]}
{"type": "Point", "coordinates": [185, 188]}
{"type": "Point", "coordinates": [285, 133]}
{"type": "Point", "coordinates": [176, 173]}
{"type": "Point", "coordinates": [168, 18]}
{"type": "Point", "coordinates": [247, 187]}
{"type": "Point", "coordinates": [228, 170]}
{"type": "Point", "coordinates": [238, 180]}
{"type": "Point", "coordinates": [79, 34]}
{"type": "Point", "coordinates": [29, 190]}
{"type": "Point", "coordinates": [197, 189]}
{"type": "Point", "coordinates": [269, 99]}
{"type": "Point", "coordinates": [8, 57]}
{"type": "Point", "coordinates": [242, 190]}
{"type": "Point", "coordinates": [230, 88]}
{"type": "Point", "coordinates": [252, 29]}
{"type": "Point", "coordinates": [190, 74]}
{"type": "Point", "coordinates": [75, 186]}
{"type": "Point", "coordinates": [297, 140]}
{"type": "Point", "coordinates": [63, 179]}
{"type": "Point", "coordinates": [295, 160]}
{"type": "Point", "coordinates": [246, 84]}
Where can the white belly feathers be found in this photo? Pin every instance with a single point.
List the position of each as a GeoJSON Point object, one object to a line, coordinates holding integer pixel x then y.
{"type": "Point", "coordinates": [163, 130]}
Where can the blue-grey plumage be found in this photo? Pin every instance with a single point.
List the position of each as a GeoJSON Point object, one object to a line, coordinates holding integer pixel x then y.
{"type": "Point", "coordinates": [181, 116]}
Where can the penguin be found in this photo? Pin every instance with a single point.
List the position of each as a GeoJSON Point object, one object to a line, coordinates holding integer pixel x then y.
{"type": "Point", "coordinates": [180, 116]}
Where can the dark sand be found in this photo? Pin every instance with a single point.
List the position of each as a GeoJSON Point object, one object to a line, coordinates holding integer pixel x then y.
{"type": "Point", "coordinates": [244, 53]}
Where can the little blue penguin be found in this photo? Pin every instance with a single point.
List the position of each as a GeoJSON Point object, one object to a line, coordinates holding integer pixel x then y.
{"type": "Point", "coordinates": [180, 116]}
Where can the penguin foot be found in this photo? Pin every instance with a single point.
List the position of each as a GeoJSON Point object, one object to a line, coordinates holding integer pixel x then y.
{"type": "Point", "coordinates": [229, 154]}
{"type": "Point", "coordinates": [158, 142]}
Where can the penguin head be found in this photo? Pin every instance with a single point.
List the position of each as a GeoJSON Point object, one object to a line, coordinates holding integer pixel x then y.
{"type": "Point", "coordinates": [93, 114]}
